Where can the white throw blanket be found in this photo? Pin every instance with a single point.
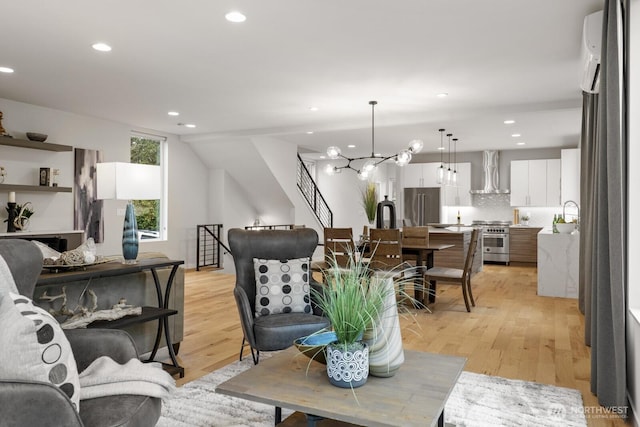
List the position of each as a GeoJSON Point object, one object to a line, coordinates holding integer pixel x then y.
{"type": "Point", "coordinates": [105, 377]}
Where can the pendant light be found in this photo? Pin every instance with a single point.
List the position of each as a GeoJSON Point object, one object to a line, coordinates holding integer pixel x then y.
{"type": "Point", "coordinates": [440, 171]}
{"type": "Point", "coordinates": [449, 172]}
{"type": "Point", "coordinates": [402, 158]}
{"type": "Point", "coordinates": [454, 177]}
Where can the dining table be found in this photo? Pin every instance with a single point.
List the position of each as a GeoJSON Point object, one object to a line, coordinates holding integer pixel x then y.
{"type": "Point", "coordinates": [424, 261]}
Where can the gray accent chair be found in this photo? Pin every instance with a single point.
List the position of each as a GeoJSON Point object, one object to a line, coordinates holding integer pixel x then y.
{"type": "Point", "coordinates": [25, 403]}
{"type": "Point", "coordinates": [274, 331]}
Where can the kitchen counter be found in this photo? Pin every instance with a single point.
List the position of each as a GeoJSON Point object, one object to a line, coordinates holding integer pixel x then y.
{"type": "Point", "coordinates": [558, 264]}
{"type": "Point", "coordinates": [523, 244]}
{"type": "Point", "coordinates": [452, 229]}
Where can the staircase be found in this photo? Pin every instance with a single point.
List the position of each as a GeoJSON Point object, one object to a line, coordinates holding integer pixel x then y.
{"type": "Point", "coordinates": [312, 195]}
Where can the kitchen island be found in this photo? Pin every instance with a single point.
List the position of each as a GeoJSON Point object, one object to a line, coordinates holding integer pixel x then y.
{"type": "Point", "coordinates": [454, 257]}
{"type": "Point", "coordinates": [558, 264]}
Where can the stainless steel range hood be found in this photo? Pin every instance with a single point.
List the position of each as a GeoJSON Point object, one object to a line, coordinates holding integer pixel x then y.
{"type": "Point", "coordinates": [491, 175]}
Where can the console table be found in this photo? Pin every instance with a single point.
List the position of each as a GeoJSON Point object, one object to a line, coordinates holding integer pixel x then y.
{"type": "Point", "coordinates": [116, 268]}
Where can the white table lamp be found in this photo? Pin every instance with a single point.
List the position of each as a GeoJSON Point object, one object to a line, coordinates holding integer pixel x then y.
{"type": "Point", "coordinates": [129, 181]}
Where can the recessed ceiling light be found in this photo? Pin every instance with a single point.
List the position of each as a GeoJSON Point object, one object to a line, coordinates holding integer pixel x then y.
{"type": "Point", "coordinates": [309, 132]}
{"type": "Point", "coordinates": [235, 16]}
{"type": "Point", "coordinates": [520, 143]}
{"type": "Point", "coordinates": [351, 146]}
{"type": "Point", "coordinates": [313, 108]}
{"type": "Point", "coordinates": [101, 47]}
{"type": "Point", "coordinates": [516, 135]}
{"type": "Point", "coordinates": [440, 148]}
{"type": "Point", "coordinates": [173, 113]}
{"type": "Point", "coordinates": [190, 125]}
{"type": "Point", "coordinates": [509, 122]}
{"type": "Point", "coordinates": [6, 70]}
{"type": "Point", "coordinates": [442, 95]}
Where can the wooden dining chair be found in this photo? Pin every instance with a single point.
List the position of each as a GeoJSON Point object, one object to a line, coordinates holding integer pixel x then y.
{"type": "Point", "coordinates": [414, 236]}
{"type": "Point", "coordinates": [386, 249]}
{"type": "Point", "coordinates": [338, 246]}
{"type": "Point", "coordinates": [456, 275]}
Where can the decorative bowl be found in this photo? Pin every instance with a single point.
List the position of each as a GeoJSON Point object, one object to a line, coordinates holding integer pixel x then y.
{"type": "Point", "coordinates": [39, 137]}
{"type": "Point", "coordinates": [313, 346]}
{"type": "Point", "coordinates": [565, 228]}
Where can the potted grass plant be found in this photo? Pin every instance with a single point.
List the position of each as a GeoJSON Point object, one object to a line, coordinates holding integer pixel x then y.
{"type": "Point", "coordinates": [370, 201]}
{"type": "Point", "coordinates": [353, 303]}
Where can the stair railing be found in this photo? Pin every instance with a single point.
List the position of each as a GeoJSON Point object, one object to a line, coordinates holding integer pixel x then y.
{"type": "Point", "coordinates": [208, 252]}
{"type": "Point", "coordinates": [312, 195]}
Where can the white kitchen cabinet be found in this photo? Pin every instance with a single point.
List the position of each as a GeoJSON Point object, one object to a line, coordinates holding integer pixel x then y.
{"type": "Point", "coordinates": [425, 175]}
{"type": "Point", "coordinates": [412, 175]}
{"type": "Point", "coordinates": [459, 195]}
{"type": "Point", "coordinates": [519, 182]}
{"type": "Point", "coordinates": [420, 175]}
{"type": "Point", "coordinates": [535, 182]}
{"type": "Point", "coordinates": [570, 174]}
{"type": "Point", "coordinates": [553, 182]}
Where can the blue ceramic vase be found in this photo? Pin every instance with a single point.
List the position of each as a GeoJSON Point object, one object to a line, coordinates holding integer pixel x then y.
{"type": "Point", "coordinates": [130, 236]}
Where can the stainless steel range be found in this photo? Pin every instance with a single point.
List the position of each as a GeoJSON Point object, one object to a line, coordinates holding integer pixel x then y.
{"type": "Point", "coordinates": [495, 240]}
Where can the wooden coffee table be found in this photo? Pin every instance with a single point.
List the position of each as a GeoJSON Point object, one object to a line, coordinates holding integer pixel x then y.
{"type": "Point", "coordinates": [414, 396]}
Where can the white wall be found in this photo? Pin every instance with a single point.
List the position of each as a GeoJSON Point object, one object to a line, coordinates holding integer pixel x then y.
{"type": "Point", "coordinates": [342, 192]}
{"type": "Point", "coordinates": [281, 158]}
{"type": "Point", "coordinates": [188, 183]}
{"type": "Point", "coordinates": [237, 210]}
{"type": "Point", "coordinates": [261, 185]}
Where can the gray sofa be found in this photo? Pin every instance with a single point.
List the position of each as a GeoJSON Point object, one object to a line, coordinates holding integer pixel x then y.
{"type": "Point", "coordinates": [36, 403]}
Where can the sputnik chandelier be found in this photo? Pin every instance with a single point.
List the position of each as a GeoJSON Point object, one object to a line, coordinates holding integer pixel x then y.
{"type": "Point", "coordinates": [371, 162]}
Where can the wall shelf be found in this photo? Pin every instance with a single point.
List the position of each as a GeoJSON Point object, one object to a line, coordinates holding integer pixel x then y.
{"type": "Point", "coordinates": [33, 188]}
{"type": "Point", "coordinates": [25, 143]}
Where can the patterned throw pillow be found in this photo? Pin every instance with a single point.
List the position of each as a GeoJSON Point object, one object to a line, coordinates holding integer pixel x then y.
{"type": "Point", "coordinates": [282, 286]}
{"type": "Point", "coordinates": [33, 347]}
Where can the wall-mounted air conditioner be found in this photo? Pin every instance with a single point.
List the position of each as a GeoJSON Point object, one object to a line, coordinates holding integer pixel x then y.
{"type": "Point", "coordinates": [591, 46]}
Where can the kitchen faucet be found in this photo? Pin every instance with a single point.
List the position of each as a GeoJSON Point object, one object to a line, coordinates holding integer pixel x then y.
{"type": "Point", "coordinates": [577, 207]}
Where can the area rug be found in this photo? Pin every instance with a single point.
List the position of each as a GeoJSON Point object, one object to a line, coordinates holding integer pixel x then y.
{"type": "Point", "coordinates": [476, 401]}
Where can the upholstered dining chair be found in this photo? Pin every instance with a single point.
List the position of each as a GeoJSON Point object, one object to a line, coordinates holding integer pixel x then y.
{"type": "Point", "coordinates": [271, 290]}
{"type": "Point", "coordinates": [36, 402]}
{"type": "Point", "coordinates": [459, 276]}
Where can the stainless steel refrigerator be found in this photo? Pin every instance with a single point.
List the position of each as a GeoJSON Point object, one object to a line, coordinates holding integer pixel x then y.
{"type": "Point", "coordinates": [421, 206]}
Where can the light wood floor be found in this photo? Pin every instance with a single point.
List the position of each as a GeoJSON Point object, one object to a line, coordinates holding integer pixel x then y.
{"type": "Point", "coordinates": [511, 332]}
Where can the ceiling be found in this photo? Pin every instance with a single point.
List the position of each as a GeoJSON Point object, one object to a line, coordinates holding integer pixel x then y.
{"type": "Point", "coordinates": [496, 59]}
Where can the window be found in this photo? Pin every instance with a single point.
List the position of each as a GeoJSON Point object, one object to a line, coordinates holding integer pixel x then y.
{"type": "Point", "coordinates": [150, 214]}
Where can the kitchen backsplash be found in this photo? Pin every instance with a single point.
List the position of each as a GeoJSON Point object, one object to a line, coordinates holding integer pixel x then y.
{"type": "Point", "coordinates": [491, 200]}
{"type": "Point", "coordinates": [497, 207]}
